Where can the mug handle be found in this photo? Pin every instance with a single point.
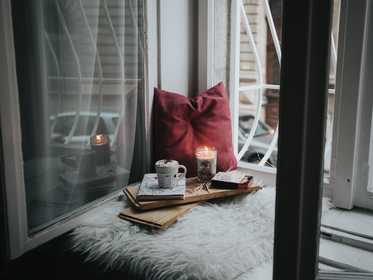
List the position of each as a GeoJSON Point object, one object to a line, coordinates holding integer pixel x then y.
{"type": "Point", "coordinates": [184, 169]}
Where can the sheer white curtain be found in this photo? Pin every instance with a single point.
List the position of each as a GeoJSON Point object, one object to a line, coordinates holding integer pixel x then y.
{"type": "Point", "coordinates": [80, 75]}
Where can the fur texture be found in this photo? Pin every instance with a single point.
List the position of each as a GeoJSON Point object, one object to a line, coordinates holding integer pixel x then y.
{"type": "Point", "coordinates": [213, 241]}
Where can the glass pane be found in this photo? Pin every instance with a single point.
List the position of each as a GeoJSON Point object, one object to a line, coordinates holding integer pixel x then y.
{"type": "Point", "coordinates": [80, 74]}
{"type": "Point", "coordinates": [260, 81]}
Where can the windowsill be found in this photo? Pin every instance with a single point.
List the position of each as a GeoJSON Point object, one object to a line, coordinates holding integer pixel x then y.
{"type": "Point", "coordinates": [267, 175]}
{"type": "Point", "coordinates": [67, 222]}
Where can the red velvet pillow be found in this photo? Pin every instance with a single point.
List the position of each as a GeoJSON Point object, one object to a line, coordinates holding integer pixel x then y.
{"type": "Point", "coordinates": [182, 124]}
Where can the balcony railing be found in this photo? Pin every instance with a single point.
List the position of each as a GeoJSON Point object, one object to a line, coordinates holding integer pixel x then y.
{"type": "Point", "coordinates": [259, 85]}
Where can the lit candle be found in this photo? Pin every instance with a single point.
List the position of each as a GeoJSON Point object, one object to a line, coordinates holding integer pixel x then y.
{"type": "Point", "coordinates": [206, 163]}
{"type": "Point", "coordinates": [101, 146]}
{"type": "Point", "coordinates": [100, 139]}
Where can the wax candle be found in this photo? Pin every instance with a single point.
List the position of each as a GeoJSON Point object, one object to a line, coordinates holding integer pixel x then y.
{"type": "Point", "coordinates": [101, 146]}
{"type": "Point", "coordinates": [206, 162]}
{"type": "Point", "coordinates": [100, 139]}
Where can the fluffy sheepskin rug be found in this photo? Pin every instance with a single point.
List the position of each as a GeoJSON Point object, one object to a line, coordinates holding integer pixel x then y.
{"type": "Point", "coordinates": [223, 240]}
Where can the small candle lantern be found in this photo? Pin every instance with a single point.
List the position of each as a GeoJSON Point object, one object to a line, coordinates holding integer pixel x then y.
{"type": "Point", "coordinates": [100, 144]}
{"type": "Point", "coordinates": [206, 163]}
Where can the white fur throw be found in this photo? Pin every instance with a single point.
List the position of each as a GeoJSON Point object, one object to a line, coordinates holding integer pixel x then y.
{"type": "Point", "coordinates": [223, 240]}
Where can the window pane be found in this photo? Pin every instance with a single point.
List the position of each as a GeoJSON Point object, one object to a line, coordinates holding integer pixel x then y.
{"type": "Point", "coordinates": [80, 74]}
{"type": "Point", "coordinates": [260, 81]}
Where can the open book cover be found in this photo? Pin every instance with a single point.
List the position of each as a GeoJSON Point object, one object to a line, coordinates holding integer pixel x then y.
{"type": "Point", "coordinates": [231, 179]}
{"type": "Point", "coordinates": [149, 189]}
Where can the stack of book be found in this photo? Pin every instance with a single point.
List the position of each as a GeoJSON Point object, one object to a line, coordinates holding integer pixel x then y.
{"type": "Point", "coordinates": [160, 207]}
{"type": "Point", "coordinates": [150, 190]}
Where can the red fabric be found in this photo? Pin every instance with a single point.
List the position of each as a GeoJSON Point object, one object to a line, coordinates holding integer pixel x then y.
{"type": "Point", "coordinates": [182, 124]}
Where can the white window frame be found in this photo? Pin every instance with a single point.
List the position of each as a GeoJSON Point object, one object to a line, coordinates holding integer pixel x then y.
{"type": "Point", "coordinates": [206, 48]}
{"type": "Point", "coordinates": [19, 239]}
{"type": "Point", "coordinates": [266, 174]}
{"type": "Point", "coordinates": [207, 79]}
{"type": "Point", "coordinates": [350, 163]}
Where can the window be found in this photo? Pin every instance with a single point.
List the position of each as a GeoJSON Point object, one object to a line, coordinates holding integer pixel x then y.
{"type": "Point", "coordinates": [258, 86]}
{"type": "Point", "coordinates": [76, 79]}
{"type": "Point", "coordinates": [86, 57]}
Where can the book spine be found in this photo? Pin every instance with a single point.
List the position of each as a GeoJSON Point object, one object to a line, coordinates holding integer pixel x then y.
{"type": "Point", "coordinates": [224, 185]}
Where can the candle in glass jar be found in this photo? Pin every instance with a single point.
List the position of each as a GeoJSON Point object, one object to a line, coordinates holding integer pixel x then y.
{"type": "Point", "coordinates": [206, 163]}
{"type": "Point", "coordinates": [100, 144]}
{"type": "Point", "coordinates": [100, 139]}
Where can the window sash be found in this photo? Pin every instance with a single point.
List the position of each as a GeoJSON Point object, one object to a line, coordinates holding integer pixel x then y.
{"type": "Point", "coordinates": [344, 161]}
{"type": "Point", "coordinates": [19, 239]}
{"type": "Point", "coordinates": [304, 83]}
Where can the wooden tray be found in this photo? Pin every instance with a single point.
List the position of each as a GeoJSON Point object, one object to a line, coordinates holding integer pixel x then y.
{"type": "Point", "coordinates": [194, 194]}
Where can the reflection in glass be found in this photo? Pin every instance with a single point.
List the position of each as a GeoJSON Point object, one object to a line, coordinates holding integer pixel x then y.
{"type": "Point", "coordinates": [80, 74]}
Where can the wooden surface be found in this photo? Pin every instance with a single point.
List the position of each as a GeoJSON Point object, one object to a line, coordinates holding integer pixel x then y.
{"type": "Point", "coordinates": [160, 218]}
{"type": "Point", "coordinates": [194, 194]}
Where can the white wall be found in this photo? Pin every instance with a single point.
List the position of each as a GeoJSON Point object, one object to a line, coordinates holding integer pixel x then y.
{"type": "Point", "coordinates": [178, 46]}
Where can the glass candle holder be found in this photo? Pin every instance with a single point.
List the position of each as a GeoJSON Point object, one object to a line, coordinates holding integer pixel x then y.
{"type": "Point", "coordinates": [100, 144]}
{"type": "Point", "coordinates": [206, 163]}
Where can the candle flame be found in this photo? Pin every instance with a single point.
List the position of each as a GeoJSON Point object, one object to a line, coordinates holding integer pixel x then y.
{"type": "Point", "coordinates": [99, 139]}
{"type": "Point", "coordinates": [205, 151]}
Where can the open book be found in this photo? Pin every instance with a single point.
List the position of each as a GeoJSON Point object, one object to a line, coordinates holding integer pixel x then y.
{"type": "Point", "coordinates": [149, 189]}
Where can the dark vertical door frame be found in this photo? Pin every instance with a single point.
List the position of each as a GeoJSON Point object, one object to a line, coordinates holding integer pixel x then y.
{"type": "Point", "coordinates": [303, 97]}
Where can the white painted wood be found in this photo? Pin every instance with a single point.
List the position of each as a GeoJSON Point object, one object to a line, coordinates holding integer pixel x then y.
{"type": "Point", "coordinates": [221, 28]}
{"type": "Point", "coordinates": [234, 71]}
{"type": "Point", "coordinates": [370, 162]}
{"type": "Point", "coordinates": [346, 254]}
{"type": "Point", "coordinates": [346, 107]}
{"type": "Point", "coordinates": [356, 220]}
{"type": "Point", "coordinates": [363, 166]}
{"type": "Point", "coordinates": [11, 133]}
{"type": "Point", "coordinates": [325, 267]}
{"type": "Point", "coordinates": [263, 174]}
{"type": "Point", "coordinates": [206, 40]}
{"type": "Point", "coordinates": [260, 81]}
{"type": "Point", "coordinates": [177, 45]}
{"type": "Point", "coordinates": [151, 68]}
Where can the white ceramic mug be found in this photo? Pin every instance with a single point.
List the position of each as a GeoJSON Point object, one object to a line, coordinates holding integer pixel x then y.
{"type": "Point", "coordinates": [168, 173]}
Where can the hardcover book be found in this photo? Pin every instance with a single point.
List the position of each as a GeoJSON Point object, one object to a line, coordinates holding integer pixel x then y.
{"type": "Point", "coordinates": [159, 218]}
{"type": "Point", "coordinates": [231, 179]}
{"type": "Point", "coordinates": [149, 189]}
